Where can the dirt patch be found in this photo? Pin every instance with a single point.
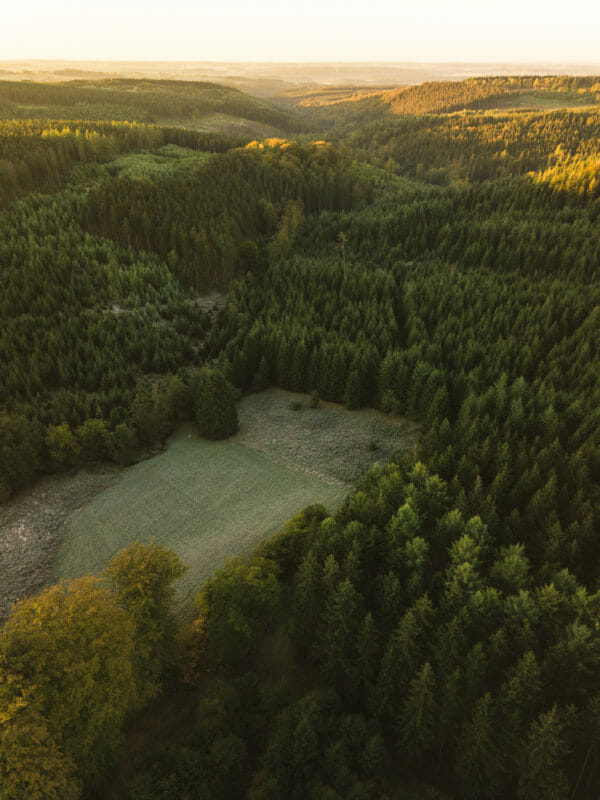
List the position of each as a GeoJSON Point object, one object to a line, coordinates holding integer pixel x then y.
{"type": "Point", "coordinates": [30, 528]}
{"type": "Point", "coordinates": [211, 302]}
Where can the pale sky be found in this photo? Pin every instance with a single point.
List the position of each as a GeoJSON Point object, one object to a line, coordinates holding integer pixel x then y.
{"type": "Point", "coordinates": [303, 30]}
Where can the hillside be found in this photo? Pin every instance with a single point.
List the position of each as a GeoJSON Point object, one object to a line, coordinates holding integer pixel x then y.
{"type": "Point", "coordinates": [195, 104]}
{"type": "Point", "coordinates": [522, 93]}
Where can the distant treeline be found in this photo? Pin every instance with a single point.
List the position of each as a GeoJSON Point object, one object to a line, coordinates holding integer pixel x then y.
{"type": "Point", "coordinates": [446, 97]}
{"type": "Point", "coordinates": [438, 97]}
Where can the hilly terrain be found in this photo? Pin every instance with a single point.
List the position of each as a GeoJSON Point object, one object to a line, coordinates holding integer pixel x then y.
{"type": "Point", "coordinates": [524, 92]}
{"type": "Point", "coordinates": [430, 626]}
{"type": "Point", "coordinates": [447, 97]}
{"type": "Point", "coordinates": [194, 104]}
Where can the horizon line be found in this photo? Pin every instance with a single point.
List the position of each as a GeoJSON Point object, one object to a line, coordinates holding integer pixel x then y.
{"type": "Point", "coordinates": [291, 63]}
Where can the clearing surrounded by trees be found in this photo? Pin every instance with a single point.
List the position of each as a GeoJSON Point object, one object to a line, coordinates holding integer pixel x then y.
{"type": "Point", "coordinates": [207, 500]}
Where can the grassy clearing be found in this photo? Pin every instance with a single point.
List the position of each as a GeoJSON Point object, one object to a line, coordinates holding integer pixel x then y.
{"type": "Point", "coordinates": [209, 501]}
{"type": "Point", "coordinates": [333, 444]}
{"type": "Point", "coordinates": [546, 100]}
{"type": "Point", "coordinates": [228, 124]}
{"type": "Point", "coordinates": [165, 162]}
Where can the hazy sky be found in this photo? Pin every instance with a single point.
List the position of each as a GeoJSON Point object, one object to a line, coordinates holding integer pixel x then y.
{"type": "Point", "coordinates": [303, 30]}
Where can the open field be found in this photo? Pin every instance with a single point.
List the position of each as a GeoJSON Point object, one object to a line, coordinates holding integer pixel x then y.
{"type": "Point", "coordinates": [200, 105]}
{"type": "Point", "coordinates": [228, 124]}
{"type": "Point", "coordinates": [539, 100]}
{"type": "Point", "coordinates": [207, 500]}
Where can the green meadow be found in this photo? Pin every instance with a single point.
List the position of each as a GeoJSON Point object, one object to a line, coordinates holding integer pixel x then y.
{"type": "Point", "coordinates": [208, 501]}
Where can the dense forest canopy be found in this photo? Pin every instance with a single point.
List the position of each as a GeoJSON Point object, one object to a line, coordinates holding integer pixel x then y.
{"type": "Point", "coordinates": [78, 341]}
{"type": "Point", "coordinates": [439, 636]}
{"type": "Point", "coordinates": [43, 154]}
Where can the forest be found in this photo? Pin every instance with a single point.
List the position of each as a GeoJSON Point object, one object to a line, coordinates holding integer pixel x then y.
{"type": "Point", "coordinates": [438, 636]}
{"type": "Point", "coordinates": [443, 97]}
{"type": "Point", "coordinates": [153, 101]}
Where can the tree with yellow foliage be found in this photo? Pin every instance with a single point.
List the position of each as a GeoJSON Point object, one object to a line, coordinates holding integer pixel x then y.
{"type": "Point", "coordinates": [67, 684]}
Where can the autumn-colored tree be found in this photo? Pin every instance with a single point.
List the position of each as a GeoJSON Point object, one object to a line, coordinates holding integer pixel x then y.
{"type": "Point", "coordinates": [69, 651]}
{"type": "Point", "coordinates": [32, 764]}
{"type": "Point", "coordinates": [62, 444]}
{"type": "Point", "coordinates": [141, 579]}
